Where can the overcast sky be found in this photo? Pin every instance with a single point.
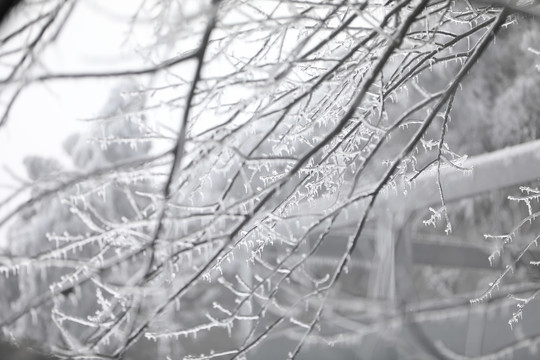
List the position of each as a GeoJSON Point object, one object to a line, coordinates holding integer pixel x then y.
{"type": "Point", "coordinates": [95, 38]}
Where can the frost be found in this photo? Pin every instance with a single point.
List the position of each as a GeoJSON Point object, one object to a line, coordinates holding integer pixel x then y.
{"type": "Point", "coordinates": [229, 193]}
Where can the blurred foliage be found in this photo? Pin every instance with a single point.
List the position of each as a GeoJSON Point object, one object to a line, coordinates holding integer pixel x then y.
{"type": "Point", "coordinates": [499, 104]}
{"type": "Point", "coordinates": [29, 235]}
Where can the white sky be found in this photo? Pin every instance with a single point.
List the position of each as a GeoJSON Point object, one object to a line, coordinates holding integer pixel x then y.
{"type": "Point", "coordinates": [94, 39]}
